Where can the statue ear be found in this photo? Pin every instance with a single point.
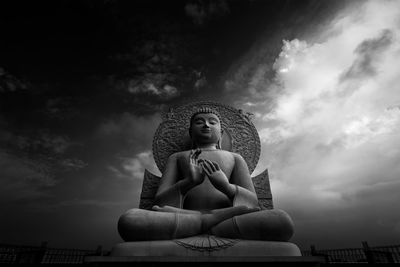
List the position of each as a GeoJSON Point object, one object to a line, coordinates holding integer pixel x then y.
{"type": "Point", "coordinates": [219, 145]}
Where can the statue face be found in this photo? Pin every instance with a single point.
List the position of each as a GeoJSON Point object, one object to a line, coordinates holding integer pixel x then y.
{"type": "Point", "coordinates": [205, 129]}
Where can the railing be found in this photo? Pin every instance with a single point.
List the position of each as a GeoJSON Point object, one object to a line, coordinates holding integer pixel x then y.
{"type": "Point", "coordinates": [11, 254]}
{"type": "Point", "coordinates": [379, 254]}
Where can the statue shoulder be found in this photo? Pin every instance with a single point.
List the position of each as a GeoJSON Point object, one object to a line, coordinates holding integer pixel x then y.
{"type": "Point", "coordinates": [238, 158]}
{"type": "Point", "coordinates": [179, 154]}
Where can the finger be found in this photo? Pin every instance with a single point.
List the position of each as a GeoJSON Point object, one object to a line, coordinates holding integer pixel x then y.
{"type": "Point", "coordinates": [211, 165]}
{"type": "Point", "coordinates": [201, 164]}
{"type": "Point", "coordinates": [198, 161]}
{"type": "Point", "coordinates": [197, 153]}
{"type": "Point", "coordinates": [216, 166]}
{"type": "Point", "coordinates": [202, 171]}
{"type": "Point", "coordinates": [156, 207]}
{"type": "Point", "coordinates": [192, 156]}
{"type": "Point", "coordinates": [206, 163]}
{"type": "Point", "coordinates": [207, 169]}
{"type": "Point", "coordinates": [203, 168]}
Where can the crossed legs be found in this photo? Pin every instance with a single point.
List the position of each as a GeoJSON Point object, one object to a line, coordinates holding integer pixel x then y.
{"type": "Point", "coordinates": [166, 223]}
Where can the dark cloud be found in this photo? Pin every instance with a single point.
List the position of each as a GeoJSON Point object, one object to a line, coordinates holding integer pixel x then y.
{"type": "Point", "coordinates": [368, 54]}
{"type": "Point", "coordinates": [133, 134]}
{"type": "Point", "coordinates": [9, 83]}
{"type": "Point", "coordinates": [23, 178]}
{"type": "Point", "coordinates": [202, 11]}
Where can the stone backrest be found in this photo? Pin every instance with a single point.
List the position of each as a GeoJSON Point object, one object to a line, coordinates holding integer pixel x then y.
{"type": "Point", "coordinates": [240, 136]}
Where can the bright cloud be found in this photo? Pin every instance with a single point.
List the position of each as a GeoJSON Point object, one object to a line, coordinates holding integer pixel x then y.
{"type": "Point", "coordinates": [332, 129]}
{"type": "Point", "coordinates": [134, 167]}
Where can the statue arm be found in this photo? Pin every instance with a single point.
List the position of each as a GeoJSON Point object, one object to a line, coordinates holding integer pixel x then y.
{"type": "Point", "coordinates": [168, 192]}
{"type": "Point", "coordinates": [239, 188]}
{"type": "Point", "coordinates": [172, 189]}
{"type": "Point", "coordinates": [245, 194]}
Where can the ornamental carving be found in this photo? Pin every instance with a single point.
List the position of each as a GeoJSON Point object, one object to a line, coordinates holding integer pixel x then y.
{"type": "Point", "coordinates": [206, 242]}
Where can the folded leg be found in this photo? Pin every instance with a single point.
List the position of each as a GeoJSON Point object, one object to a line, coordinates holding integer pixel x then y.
{"type": "Point", "coordinates": [269, 225]}
{"type": "Point", "coordinates": [169, 223]}
{"type": "Point", "coordinates": [138, 224]}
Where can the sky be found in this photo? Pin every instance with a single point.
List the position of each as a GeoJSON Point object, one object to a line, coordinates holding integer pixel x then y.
{"type": "Point", "coordinates": [83, 84]}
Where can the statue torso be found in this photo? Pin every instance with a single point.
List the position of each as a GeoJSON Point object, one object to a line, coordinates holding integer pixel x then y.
{"type": "Point", "coordinates": [205, 196]}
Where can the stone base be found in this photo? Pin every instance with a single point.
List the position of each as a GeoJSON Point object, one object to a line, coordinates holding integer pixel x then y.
{"type": "Point", "coordinates": [205, 250]}
{"type": "Point", "coordinates": [270, 261]}
{"type": "Point", "coordinates": [205, 246]}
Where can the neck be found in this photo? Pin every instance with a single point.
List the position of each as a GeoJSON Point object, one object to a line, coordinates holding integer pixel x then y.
{"type": "Point", "coordinates": [207, 146]}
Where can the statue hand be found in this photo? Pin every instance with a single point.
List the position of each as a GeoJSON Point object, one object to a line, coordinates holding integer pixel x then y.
{"type": "Point", "coordinates": [196, 173]}
{"type": "Point", "coordinates": [218, 178]}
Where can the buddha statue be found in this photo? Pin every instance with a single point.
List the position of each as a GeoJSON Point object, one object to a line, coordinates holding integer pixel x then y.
{"type": "Point", "coordinates": [205, 191]}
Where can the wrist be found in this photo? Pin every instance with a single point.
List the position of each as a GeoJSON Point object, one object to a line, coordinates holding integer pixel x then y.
{"type": "Point", "coordinates": [230, 191]}
{"type": "Point", "coordinates": [185, 185]}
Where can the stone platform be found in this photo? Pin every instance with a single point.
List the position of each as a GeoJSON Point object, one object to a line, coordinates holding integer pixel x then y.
{"type": "Point", "coordinates": [205, 246]}
{"type": "Point", "coordinates": [204, 250]}
{"type": "Point", "coordinates": [232, 261]}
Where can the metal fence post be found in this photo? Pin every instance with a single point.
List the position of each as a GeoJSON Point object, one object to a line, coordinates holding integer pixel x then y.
{"type": "Point", "coordinates": [99, 251]}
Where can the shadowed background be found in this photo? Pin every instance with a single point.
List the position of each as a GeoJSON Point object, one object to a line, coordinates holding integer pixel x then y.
{"type": "Point", "coordinates": [82, 85]}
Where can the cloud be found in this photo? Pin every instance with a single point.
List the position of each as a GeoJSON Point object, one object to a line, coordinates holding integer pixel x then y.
{"type": "Point", "coordinates": [161, 64]}
{"type": "Point", "coordinates": [23, 179]}
{"type": "Point", "coordinates": [129, 130]}
{"type": "Point", "coordinates": [128, 138]}
{"type": "Point", "coordinates": [153, 84]}
{"type": "Point", "coordinates": [9, 83]}
{"type": "Point", "coordinates": [32, 163]}
{"type": "Point", "coordinates": [329, 122]}
{"type": "Point", "coordinates": [36, 141]}
{"type": "Point", "coordinates": [203, 11]}
{"type": "Point", "coordinates": [368, 54]}
{"type": "Point", "coordinates": [73, 163]}
{"type": "Point", "coordinates": [40, 147]}
{"type": "Point", "coordinates": [134, 167]}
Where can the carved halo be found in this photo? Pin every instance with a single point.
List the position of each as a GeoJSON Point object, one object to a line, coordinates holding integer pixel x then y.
{"type": "Point", "coordinates": [172, 135]}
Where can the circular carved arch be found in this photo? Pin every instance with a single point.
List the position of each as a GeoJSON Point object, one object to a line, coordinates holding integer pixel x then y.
{"type": "Point", "coordinates": [172, 135]}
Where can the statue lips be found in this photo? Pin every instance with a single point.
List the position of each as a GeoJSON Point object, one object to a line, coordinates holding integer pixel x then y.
{"type": "Point", "coordinates": [206, 133]}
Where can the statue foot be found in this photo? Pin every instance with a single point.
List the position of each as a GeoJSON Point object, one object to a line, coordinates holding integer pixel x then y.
{"type": "Point", "coordinates": [174, 210]}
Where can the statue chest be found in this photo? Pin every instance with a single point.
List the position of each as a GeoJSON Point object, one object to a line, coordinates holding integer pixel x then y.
{"type": "Point", "coordinates": [205, 197]}
{"type": "Point", "coordinates": [225, 160]}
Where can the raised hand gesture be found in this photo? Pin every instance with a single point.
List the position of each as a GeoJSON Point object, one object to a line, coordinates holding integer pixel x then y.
{"type": "Point", "coordinates": [218, 178]}
{"type": "Point", "coordinates": [196, 174]}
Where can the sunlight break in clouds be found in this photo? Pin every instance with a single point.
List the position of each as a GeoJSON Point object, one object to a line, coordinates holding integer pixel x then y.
{"type": "Point", "coordinates": [333, 132]}
{"type": "Point", "coordinates": [133, 168]}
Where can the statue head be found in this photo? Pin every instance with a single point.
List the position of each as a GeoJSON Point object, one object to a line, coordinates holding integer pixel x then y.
{"type": "Point", "coordinates": [205, 128]}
